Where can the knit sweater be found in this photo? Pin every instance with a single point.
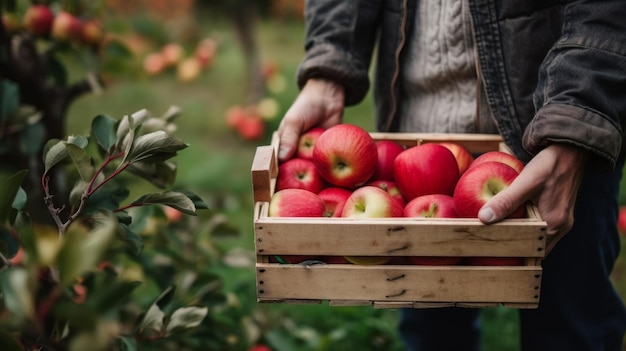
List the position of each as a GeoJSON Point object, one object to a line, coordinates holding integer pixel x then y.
{"type": "Point", "coordinates": [440, 77]}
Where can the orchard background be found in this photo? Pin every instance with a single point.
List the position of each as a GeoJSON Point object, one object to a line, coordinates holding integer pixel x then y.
{"type": "Point", "coordinates": [218, 75]}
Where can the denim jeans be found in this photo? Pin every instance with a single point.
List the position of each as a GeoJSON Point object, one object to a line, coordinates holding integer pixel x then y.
{"type": "Point", "coordinates": [579, 308]}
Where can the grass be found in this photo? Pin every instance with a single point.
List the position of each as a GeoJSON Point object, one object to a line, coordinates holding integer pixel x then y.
{"type": "Point", "coordinates": [217, 167]}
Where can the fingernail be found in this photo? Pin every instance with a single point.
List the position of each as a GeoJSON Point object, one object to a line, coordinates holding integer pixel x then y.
{"type": "Point", "coordinates": [282, 152]}
{"type": "Point", "coordinates": [486, 214]}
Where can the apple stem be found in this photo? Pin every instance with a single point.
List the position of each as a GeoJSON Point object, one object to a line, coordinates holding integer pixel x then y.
{"type": "Point", "coordinates": [432, 210]}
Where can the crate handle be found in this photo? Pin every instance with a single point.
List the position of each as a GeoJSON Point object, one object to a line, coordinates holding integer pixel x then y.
{"type": "Point", "coordinates": [264, 172]}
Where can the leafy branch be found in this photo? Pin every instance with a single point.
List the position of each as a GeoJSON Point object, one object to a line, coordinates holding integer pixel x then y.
{"type": "Point", "coordinates": [126, 146]}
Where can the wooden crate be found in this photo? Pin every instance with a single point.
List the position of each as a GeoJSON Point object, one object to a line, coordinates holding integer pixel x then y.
{"type": "Point", "coordinates": [389, 285]}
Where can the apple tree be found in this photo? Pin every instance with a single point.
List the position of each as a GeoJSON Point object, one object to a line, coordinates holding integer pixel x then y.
{"type": "Point", "coordinates": [81, 266]}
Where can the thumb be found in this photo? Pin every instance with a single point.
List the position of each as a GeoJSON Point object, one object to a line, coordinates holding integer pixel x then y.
{"type": "Point", "coordinates": [288, 141]}
{"type": "Point", "coordinates": [507, 201]}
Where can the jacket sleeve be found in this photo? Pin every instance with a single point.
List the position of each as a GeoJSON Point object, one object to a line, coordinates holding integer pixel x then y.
{"type": "Point", "coordinates": [340, 36]}
{"type": "Point", "coordinates": [581, 92]}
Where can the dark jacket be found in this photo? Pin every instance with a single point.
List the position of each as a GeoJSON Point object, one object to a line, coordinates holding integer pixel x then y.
{"type": "Point", "coordinates": [553, 70]}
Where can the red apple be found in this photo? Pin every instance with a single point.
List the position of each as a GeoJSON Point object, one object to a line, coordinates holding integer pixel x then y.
{"type": "Point", "coordinates": [234, 115]}
{"type": "Point", "coordinates": [345, 155]}
{"type": "Point", "coordinates": [295, 203]}
{"type": "Point", "coordinates": [205, 51]}
{"type": "Point", "coordinates": [334, 199]}
{"type": "Point", "coordinates": [499, 156]}
{"type": "Point", "coordinates": [494, 261]}
{"type": "Point", "coordinates": [172, 53]}
{"type": "Point", "coordinates": [621, 220]}
{"type": "Point", "coordinates": [371, 202]}
{"type": "Point", "coordinates": [251, 127]}
{"type": "Point", "coordinates": [38, 19]}
{"type": "Point", "coordinates": [463, 157]}
{"type": "Point", "coordinates": [172, 214]}
{"type": "Point", "coordinates": [432, 206]}
{"type": "Point", "coordinates": [425, 169]}
{"type": "Point", "coordinates": [388, 150]}
{"type": "Point", "coordinates": [299, 173]}
{"type": "Point", "coordinates": [153, 63]}
{"type": "Point", "coordinates": [334, 260]}
{"type": "Point", "coordinates": [390, 187]}
{"type": "Point", "coordinates": [91, 33]}
{"type": "Point", "coordinates": [307, 141]}
{"type": "Point", "coordinates": [479, 184]}
{"type": "Point", "coordinates": [66, 27]}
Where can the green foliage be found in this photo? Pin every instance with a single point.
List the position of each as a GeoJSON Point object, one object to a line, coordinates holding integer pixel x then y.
{"type": "Point", "coordinates": [75, 283]}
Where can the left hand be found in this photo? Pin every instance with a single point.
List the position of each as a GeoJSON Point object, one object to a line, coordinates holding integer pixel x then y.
{"type": "Point", "coordinates": [550, 180]}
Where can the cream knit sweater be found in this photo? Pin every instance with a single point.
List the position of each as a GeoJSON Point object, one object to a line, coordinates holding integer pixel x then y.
{"type": "Point", "coordinates": [440, 73]}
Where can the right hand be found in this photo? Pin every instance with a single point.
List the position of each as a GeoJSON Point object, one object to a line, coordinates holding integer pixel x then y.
{"type": "Point", "coordinates": [319, 104]}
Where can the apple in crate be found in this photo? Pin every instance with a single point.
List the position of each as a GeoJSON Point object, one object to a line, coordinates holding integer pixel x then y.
{"type": "Point", "coordinates": [345, 155]}
{"type": "Point", "coordinates": [306, 142]}
{"type": "Point", "coordinates": [463, 157]}
{"type": "Point", "coordinates": [299, 173]}
{"type": "Point", "coordinates": [425, 169]}
{"type": "Point", "coordinates": [432, 206]}
{"type": "Point", "coordinates": [388, 150]}
{"type": "Point", "coordinates": [370, 202]}
{"type": "Point", "coordinates": [295, 203]}
{"type": "Point", "coordinates": [390, 187]}
{"type": "Point", "coordinates": [479, 184]}
{"type": "Point", "coordinates": [334, 198]}
{"type": "Point", "coordinates": [499, 156]}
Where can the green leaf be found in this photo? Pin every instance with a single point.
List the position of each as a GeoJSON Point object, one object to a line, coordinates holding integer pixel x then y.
{"type": "Point", "coordinates": [10, 97]}
{"type": "Point", "coordinates": [28, 237]}
{"type": "Point", "coordinates": [54, 152]}
{"type": "Point", "coordinates": [186, 318]}
{"type": "Point", "coordinates": [9, 244]}
{"type": "Point", "coordinates": [173, 199]}
{"type": "Point", "coordinates": [161, 174]}
{"type": "Point", "coordinates": [9, 188]}
{"type": "Point", "coordinates": [82, 162]}
{"type": "Point", "coordinates": [76, 194]}
{"type": "Point", "coordinates": [166, 296]}
{"type": "Point", "coordinates": [16, 293]}
{"type": "Point", "coordinates": [81, 251]}
{"type": "Point", "coordinates": [57, 71]}
{"type": "Point", "coordinates": [128, 343]}
{"type": "Point", "coordinates": [20, 199]}
{"type": "Point", "coordinates": [155, 145]}
{"type": "Point", "coordinates": [153, 319]}
{"type": "Point", "coordinates": [103, 130]}
{"type": "Point", "coordinates": [127, 125]}
{"type": "Point", "coordinates": [108, 297]}
{"type": "Point", "coordinates": [132, 238]}
{"type": "Point", "coordinates": [79, 140]}
{"type": "Point", "coordinates": [106, 198]}
{"type": "Point", "coordinates": [197, 201]}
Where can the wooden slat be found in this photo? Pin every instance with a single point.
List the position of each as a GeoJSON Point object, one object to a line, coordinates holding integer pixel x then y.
{"type": "Point", "coordinates": [264, 171]}
{"type": "Point", "coordinates": [400, 283]}
{"type": "Point", "coordinates": [399, 237]}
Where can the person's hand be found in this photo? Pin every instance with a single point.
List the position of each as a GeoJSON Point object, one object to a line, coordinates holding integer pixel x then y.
{"type": "Point", "coordinates": [319, 104]}
{"type": "Point", "coordinates": [550, 180]}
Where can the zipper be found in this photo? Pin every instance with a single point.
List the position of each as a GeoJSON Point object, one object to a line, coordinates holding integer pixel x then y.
{"type": "Point", "coordinates": [396, 73]}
